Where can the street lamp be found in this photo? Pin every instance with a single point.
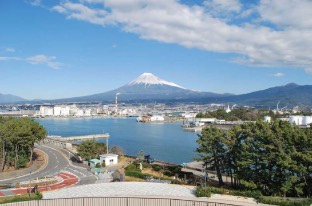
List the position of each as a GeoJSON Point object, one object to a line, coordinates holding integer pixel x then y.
{"type": "Point", "coordinates": [29, 189]}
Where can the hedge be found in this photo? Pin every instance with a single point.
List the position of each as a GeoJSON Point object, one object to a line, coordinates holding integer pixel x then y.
{"type": "Point", "coordinates": [21, 198]}
{"type": "Point", "coordinates": [285, 201]}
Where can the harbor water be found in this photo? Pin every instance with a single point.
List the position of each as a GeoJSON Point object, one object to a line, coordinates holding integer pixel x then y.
{"type": "Point", "coordinates": [164, 141]}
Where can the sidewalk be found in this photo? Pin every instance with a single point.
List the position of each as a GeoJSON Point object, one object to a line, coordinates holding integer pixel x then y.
{"type": "Point", "coordinates": [36, 166]}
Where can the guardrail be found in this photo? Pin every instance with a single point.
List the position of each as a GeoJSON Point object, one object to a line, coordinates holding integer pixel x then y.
{"type": "Point", "coordinates": [118, 201]}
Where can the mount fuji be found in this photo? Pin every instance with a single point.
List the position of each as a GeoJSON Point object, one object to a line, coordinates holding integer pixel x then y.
{"type": "Point", "coordinates": [148, 87]}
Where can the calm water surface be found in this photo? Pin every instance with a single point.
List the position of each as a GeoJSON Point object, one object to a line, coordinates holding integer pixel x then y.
{"type": "Point", "coordinates": [164, 141]}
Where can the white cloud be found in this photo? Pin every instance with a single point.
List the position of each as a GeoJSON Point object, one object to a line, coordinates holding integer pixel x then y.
{"type": "Point", "coordinates": [286, 42]}
{"type": "Point", "coordinates": [35, 2]}
{"type": "Point", "coordinates": [9, 49]}
{"type": "Point", "coordinates": [82, 12]}
{"type": "Point", "coordinates": [59, 9]}
{"type": "Point", "coordinates": [308, 70]}
{"type": "Point", "coordinates": [43, 59]}
{"type": "Point", "coordinates": [290, 13]}
{"type": "Point", "coordinates": [224, 5]}
{"type": "Point", "coordinates": [279, 74]}
{"type": "Point", "coordinates": [38, 59]}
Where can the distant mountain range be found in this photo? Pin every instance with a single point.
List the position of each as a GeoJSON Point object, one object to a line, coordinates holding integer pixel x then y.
{"type": "Point", "coordinates": [8, 98]}
{"type": "Point", "coordinates": [288, 95]}
{"type": "Point", "coordinates": [149, 88]}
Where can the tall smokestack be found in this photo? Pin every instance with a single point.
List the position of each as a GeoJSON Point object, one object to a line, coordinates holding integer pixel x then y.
{"type": "Point", "coordinates": [116, 106]}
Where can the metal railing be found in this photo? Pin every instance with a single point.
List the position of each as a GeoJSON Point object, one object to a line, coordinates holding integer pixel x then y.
{"type": "Point", "coordinates": [118, 201]}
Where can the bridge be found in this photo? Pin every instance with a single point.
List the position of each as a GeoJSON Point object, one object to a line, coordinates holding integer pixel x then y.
{"type": "Point", "coordinates": [66, 142]}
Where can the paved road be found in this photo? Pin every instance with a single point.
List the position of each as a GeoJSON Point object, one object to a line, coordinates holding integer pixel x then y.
{"type": "Point", "coordinates": [57, 162]}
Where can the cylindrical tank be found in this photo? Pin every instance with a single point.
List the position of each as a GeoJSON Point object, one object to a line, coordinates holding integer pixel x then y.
{"type": "Point", "coordinates": [295, 119]}
{"type": "Point", "coordinates": [307, 120]}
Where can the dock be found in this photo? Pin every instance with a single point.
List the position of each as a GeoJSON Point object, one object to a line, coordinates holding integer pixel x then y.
{"type": "Point", "coordinates": [66, 142]}
{"type": "Point", "coordinates": [193, 129]}
{"type": "Point", "coordinates": [78, 138]}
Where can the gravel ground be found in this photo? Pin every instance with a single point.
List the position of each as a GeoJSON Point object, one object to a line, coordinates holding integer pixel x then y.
{"type": "Point", "coordinates": [122, 189]}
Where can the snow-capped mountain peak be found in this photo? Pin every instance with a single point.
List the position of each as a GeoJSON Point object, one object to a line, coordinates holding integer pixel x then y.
{"type": "Point", "coordinates": [150, 79]}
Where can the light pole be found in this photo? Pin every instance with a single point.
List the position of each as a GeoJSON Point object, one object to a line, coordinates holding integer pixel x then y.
{"type": "Point", "coordinates": [29, 189]}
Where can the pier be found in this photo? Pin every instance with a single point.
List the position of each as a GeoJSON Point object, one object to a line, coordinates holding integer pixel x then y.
{"type": "Point", "coordinates": [66, 142]}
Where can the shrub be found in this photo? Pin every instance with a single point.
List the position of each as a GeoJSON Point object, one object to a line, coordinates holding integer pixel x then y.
{"type": "Point", "coordinates": [218, 190]}
{"type": "Point", "coordinates": [167, 173]}
{"type": "Point", "coordinates": [131, 167]}
{"type": "Point", "coordinates": [146, 165]}
{"type": "Point", "coordinates": [202, 192]}
{"type": "Point", "coordinates": [137, 174]}
{"type": "Point", "coordinates": [285, 201]}
{"type": "Point", "coordinates": [254, 193]}
{"type": "Point", "coordinates": [174, 169]}
{"type": "Point", "coordinates": [156, 168]}
{"type": "Point", "coordinates": [103, 164]}
{"type": "Point", "coordinates": [98, 165]}
{"type": "Point", "coordinates": [22, 162]}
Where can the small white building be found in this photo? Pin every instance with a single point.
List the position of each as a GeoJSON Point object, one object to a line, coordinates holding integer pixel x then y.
{"type": "Point", "coordinates": [157, 118]}
{"type": "Point", "coordinates": [109, 159]}
{"type": "Point", "coordinates": [87, 112]}
{"type": "Point", "coordinates": [203, 121]}
{"type": "Point", "coordinates": [267, 119]}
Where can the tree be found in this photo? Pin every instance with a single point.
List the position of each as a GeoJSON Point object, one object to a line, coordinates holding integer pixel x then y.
{"type": "Point", "coordinates": [140, 155]}
{"type": "Point", "coordinates": [211, 149]}
{"type": "Point", "coordinates": [87, 149]}
{"type": "Point", "coordinates": [100, 148]}
{"type": "Point", "coordinates": [275, 158]}
{"type": "Point", "coordinates": [117, 150]}
{"type": "Point", "coordinates": [18, 137]}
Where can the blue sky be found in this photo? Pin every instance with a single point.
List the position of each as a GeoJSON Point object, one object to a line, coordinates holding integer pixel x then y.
{"type": "Point", "coordinates": [56, 49]}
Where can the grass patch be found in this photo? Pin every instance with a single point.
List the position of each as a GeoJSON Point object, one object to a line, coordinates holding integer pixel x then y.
{"type": "Point", "coordinates": [20, 198]}
{"type": "Point", "coordinates": [132, 171]}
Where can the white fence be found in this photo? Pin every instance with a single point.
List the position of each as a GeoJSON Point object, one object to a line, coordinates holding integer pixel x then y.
{"type": "Point", "coordinates": [117, 201]}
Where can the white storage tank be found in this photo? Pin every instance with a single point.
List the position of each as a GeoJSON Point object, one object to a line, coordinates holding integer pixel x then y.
{"type": "Point", "coordinates": [307, 120]}
{"type": "Point", "coordinates": [296, 119]}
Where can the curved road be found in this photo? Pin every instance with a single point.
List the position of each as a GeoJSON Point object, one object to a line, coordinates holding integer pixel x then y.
{"type": "Point", "coordinates": [57, 163]}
